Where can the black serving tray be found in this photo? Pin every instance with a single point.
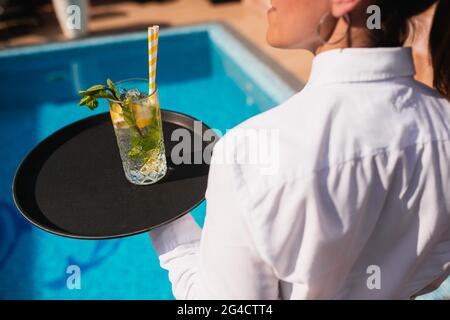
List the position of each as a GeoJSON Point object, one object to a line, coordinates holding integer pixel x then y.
{"type": "Point", "coordinates": [72, 184]}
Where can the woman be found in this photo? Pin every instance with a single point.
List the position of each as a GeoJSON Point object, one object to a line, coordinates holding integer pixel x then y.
{"type": "Point", "coordinates": [358, 206]}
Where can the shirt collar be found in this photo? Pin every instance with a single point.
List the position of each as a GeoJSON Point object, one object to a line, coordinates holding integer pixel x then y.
{"type": "Point", "coordinates": [362, 64]}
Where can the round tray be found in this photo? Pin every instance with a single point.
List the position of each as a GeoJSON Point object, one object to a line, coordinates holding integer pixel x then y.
{"type": "Point", "coordinates": [72, 184]}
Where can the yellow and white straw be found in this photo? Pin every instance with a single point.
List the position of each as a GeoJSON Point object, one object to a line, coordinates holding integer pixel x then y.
{"type": "Point", "coordinates": [153, 33]}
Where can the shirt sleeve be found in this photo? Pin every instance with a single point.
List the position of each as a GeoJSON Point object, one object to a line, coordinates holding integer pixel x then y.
{"type": "Point", "coordinates": [220, 261]}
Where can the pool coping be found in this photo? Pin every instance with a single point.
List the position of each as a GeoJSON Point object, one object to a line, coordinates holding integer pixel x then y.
{"type": "Point", "coordinates": [275, 80]}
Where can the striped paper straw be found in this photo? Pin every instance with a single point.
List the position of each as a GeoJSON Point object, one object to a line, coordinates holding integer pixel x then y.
{"type": "Point", "coordinates": [152, 56]}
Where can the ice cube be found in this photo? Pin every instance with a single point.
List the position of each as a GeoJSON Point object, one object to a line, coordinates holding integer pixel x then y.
{"type": "Point", "coordinates": [122, 93]}
{"type": "Point", "coordinates": [133, 94]}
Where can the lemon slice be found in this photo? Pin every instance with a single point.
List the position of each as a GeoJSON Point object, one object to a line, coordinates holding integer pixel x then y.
{"type": "Point", "coordinates": [142, 114]}
{"type": "Point", "coordinates": [117, 116]}
{"type": "Point", "coordinates": [116, 108]}
{"type": "Point", "coordinates": [121, 125]}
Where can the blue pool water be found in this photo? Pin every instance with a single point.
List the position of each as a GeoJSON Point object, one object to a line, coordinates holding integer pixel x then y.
{"type": "Point", "coordinates": [202, 71]}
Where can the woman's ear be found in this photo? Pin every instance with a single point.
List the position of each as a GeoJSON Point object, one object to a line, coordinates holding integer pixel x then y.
{"type": "Point", "coordinates": [341, 7]}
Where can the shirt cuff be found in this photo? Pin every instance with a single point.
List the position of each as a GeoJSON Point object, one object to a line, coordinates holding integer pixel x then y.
{"type": "Point", "coordinates": [182, 231]}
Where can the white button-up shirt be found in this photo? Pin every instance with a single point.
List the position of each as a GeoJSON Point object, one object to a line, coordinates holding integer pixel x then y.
{"type": "Point", "coordinates": [357, 207]}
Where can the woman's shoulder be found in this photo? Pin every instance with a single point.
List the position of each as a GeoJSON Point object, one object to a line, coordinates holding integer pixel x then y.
{"type": "Point", "coordinates": [297, 109]}
{"type": "Point", "coordinates": [281, 141]}
{"type": "Point", "coordinates": [322, 126]}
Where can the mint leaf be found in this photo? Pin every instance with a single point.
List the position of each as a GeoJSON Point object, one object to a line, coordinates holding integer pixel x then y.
{"type": "Point", "coordinates": [85, 100]}
{"type": "Point", "coordinates": [113, 89]}
{"type": "Point", "coordinates": [105, 94]}
{"type": "Point", "coordinates": [127, 112]}
{"type": "Point", "coordinates": [92, 104]}
{"type": "Point", "coordinates": [98, 91]}
{"type": "Point", "coordinates": [135, 152]}
{"type": "Point", "coordinates": [96, 88]}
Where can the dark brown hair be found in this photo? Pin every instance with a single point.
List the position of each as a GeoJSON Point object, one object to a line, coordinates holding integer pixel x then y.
{"type": "Point", "coordinates": [395, 27]}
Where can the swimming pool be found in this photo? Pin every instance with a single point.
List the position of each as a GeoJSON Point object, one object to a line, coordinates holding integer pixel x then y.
{"type": "Point", "coordinates": [204, 71]}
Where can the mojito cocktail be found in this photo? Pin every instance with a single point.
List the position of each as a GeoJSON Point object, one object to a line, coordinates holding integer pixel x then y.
{"type": "Point", "coordinates": [136, 118]}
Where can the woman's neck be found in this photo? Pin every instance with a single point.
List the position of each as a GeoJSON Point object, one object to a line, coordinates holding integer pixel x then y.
{"type": "Point", "coordinates": [357, 36]}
